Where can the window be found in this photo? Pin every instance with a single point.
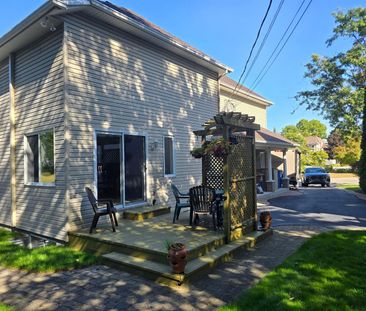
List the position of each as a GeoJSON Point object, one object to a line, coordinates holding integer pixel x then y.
{"type": "Point", "coordinates": [169, 165]}
{"type": "Point", "coordinates": [39, 158]}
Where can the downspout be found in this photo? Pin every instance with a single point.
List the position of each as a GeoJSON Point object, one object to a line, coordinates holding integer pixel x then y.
{"type": "Point", "coordinates": [12, 139]}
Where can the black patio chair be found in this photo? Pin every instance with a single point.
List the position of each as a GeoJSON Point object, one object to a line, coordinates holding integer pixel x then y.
{"type": "Point", "coordinates": [178, 203]}
{"type": "Point", "coordinates": [101, 211]}
{"type": "Point", "coordinates": [203, 201]}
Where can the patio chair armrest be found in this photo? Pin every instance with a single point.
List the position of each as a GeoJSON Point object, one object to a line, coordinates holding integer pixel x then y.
{"type": "Point", "coordinates": [185, 196]}
{"type": "Point", "coordinates": [107, 202]}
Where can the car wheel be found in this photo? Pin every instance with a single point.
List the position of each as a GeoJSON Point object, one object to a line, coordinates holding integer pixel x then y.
{"type": "Point", "coordinates": [304, 185]}
{"type": "Point", "coordinates": [328, 184]}
{"type": "Point", "coordinates": [323, 185]}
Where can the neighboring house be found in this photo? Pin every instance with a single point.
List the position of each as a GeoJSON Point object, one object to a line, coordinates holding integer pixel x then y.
{"type": "Point", "coordinates": [315, 143]}
{"type": "Point", "coordinates": [94, 95]}
{"type": "Point", "coordinates": [274, 152]}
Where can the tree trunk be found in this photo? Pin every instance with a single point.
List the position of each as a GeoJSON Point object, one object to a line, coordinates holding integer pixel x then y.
{"type": "Point", "coordinates": [362, 166]}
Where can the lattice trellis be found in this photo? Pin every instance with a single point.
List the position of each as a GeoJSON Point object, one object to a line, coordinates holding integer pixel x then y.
{"type": "Point", "coordinates": [235, 172]}
{"type": "Point", "coordinates": [212, 168]}
{"type": "Point", "coordinates": [242, 179]}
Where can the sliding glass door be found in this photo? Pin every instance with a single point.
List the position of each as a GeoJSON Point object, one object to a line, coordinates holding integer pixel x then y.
{"type": "Point", "coordinates": [135, 164]}
{"type": "Point", "coordinates": [121, 168]}
{"type": "Point", "coordinates": [109, 167]}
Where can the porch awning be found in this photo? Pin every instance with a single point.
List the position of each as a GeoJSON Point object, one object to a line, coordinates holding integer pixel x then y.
{"type": "Point", "coordinates": [268, 139]}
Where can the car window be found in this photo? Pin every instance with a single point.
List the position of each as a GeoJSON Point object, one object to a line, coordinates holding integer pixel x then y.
{"type": "Point", "coordinates": [313, 170]}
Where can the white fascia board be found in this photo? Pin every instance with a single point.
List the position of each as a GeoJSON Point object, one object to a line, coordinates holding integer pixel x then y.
{"type": "Point", "coordinates": [159, 39]}
{"type": "Point", "coordinates": [246, 95]}
{"type": "Point", "coordinates": [25, 23]}
{"type": "Point", "coordinates": [274, 146]}
{"type": "Point", "coordinates": [29, 29]}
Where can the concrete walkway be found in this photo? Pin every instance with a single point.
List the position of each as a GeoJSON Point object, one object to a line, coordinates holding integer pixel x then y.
{"type": "Point", "coordinates": [103, 288]}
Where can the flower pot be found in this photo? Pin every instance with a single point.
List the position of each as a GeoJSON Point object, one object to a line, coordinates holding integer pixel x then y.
{"type": "Point", "coordinates": [265, 219]}
{"type": "Point", "coordinates": [177, 257]}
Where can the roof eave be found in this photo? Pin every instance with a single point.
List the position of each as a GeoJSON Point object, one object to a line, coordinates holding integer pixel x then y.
{"type": "Point", "coordinates": [273, 145]}
{"type": "Point", "coordinates": [244, 94]}
{"type": "Point", "coordinates": [29, 28]}
{"type": "Point", "coordinates": [156, 37]}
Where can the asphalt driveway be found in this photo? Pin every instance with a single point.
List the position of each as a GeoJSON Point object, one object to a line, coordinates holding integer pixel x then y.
{"type": "Point", "coordinates": [317, 206]}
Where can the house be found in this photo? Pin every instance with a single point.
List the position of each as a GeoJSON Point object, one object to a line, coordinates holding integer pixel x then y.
{"type": "Point", "coordinates": [315, 143]}
{"type": "Point", "coordinates": [274, 153]}
{"type": "Point", "coordinates": [94, 95]}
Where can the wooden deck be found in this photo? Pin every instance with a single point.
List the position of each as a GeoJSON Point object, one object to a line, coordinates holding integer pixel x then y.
{"type": "Point", "coordinates": [139, 246]}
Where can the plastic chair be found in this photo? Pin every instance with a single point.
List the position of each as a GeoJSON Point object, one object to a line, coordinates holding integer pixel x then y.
{"type": "Point", "coordinates": [203, 201]}
{"type": "Point", "coordinates": [98, 211]}
{"type": "Point", "coordinates": [178, 204]}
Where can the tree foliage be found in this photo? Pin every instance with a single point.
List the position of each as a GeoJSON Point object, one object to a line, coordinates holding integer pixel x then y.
{"type": "Point", "coordinates": [298, 132]}
{"type": "Point", "coordinates": [312, 128]}
{"type": "Point", "coordinates": [338, 81]}
{"type": "Point", "coordinates": [314, 158]}
{"type": "Point", "coordinates": [348, 153]}
{"type": "Point", "coordinates": [334, 140]}
{"type": "Point", "coordinates": [292, 133]}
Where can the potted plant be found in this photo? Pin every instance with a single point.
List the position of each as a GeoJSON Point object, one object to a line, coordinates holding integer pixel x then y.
{"type": "Point", "coordinates": [177, 256]}
{"type": "Point", "coordinates": [218, 147]}
{"type": "Point", "coordinates": [265, 219]}
{"type": "Point", "coordinates": [197, 152]}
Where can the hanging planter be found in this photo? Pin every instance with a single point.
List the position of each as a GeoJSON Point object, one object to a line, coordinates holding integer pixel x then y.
{"type": "Point", "coordinates": [198, 152]}
{"type": "Point", "coordinates": [177, 256]}
{"type": "Point", "coordinates": [218, 147]}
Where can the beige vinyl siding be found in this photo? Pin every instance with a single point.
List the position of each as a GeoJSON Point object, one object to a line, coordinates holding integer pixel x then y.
{"type": "Point", "coordinates": [117, 83]}
{"type": "Point", "coordinates": [244, 105]}
{"type": "Point", "coordinates": [5, 167]}
{"type": "Point", "coordinates": [39, 106]}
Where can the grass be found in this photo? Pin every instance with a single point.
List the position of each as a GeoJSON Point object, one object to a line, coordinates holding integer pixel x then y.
{"type": "Point", "coordinates": [44, 259]}
{"type": "Point", "coordinates": [353, 187]}
{"type": "Point", "coordinates": [5, 307]}
{"type": "Point", "coordinates": [327, 273]}
{"type": "Point", "coordinates": [343, 175]}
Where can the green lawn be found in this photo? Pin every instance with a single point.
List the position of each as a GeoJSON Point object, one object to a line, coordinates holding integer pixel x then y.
{"type": "Point", "coordinates": [5, 307]}
{"type": "Point", "coordinates": [43, 259]}
{"type": "Point", "coordinates": [327, 273]}
{"type": "Point", "coordinates": [353, 187]}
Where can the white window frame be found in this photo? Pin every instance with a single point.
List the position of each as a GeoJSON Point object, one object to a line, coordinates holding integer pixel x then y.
{"type": "Point", "coordinates": [173, 159]}
{"type": "Point", "coordinates": [26, 146]}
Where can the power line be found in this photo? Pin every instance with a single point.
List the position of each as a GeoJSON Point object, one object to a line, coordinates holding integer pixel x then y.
{"type": "Point", "coordinates": [264, 39]}
{"type": "Point", "coordinates": [253, 46]}
{"type": "Point", "coordinates": [254, 84]}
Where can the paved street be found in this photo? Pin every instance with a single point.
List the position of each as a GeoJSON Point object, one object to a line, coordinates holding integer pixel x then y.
{"type": "Point", "coordinates": [317, 206]}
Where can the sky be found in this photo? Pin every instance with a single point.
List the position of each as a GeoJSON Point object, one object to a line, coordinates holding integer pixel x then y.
{"type": "Point", "coordinates": [226, 31]}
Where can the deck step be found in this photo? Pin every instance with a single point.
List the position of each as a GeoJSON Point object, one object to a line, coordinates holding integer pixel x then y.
{"type": "Point", "coordinates": [161, 272]}
{"type": "Point", "coordinates": [145, 212]}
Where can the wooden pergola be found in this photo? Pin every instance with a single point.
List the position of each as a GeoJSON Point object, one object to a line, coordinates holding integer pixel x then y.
{"type": "Point", "coordinates": [234, 172]}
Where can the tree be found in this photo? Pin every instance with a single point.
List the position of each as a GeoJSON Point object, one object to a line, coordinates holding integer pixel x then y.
{"type": "Point", "coordinates": [339, 82]}
{"type": "Point", "coordinates": [291, 132]}
{"type": "Point", "coordinates": [349, 153]}
{"type": "Point", "coordinates": [362, 166]}
{"type": "Point", "coordinates": [334, 140]}
{"type": "Point", "coordinates": [312, 128]}
{"type": "Point", "coordinates": [298, 133]}
{"type": "Point", "coordinates": [314, 158]}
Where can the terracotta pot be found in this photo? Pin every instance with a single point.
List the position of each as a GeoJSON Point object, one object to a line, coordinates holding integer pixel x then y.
{"type": "Point", "coordinates": [177, 256]}
{"type": "Point", "coordinates": [265, 219]}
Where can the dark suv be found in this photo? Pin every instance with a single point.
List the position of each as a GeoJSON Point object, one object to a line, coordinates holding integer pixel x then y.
{"type": "Point", "coordinates": [315, 175]}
